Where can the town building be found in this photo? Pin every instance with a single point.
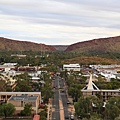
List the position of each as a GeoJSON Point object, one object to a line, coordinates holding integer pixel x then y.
{"type": "Point", "coordinates": [8, 66]}
{"type": "Point", "coordinates": [19, 99]}
{"type": "Point", "coordinates": [71, 67]}
{"type": "Point", "coordinates": [92, 89]}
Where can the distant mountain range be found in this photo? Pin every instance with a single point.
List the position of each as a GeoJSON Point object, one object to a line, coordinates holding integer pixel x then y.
{"type": "Point", "coordinates": [15, 45]}
{"type": "Point", "coordinates": [101, 45]}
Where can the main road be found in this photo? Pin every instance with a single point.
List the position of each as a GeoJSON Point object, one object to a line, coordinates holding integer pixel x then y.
{"type": "Point", "coordinates": [59, 105]}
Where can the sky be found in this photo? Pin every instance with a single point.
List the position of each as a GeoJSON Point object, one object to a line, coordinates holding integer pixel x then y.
{"type": "Point", "coordinates": [59, 22]}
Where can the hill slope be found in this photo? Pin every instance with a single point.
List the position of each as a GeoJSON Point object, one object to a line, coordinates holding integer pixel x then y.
{"type": "Point", "coordinates": [15, 45]}
{"type": "Point", "coordinates": [102, 45]}
{"type": "Point", "coordinates": [60, 47]}
{"type": "Point", "coordinates": [85, 60]}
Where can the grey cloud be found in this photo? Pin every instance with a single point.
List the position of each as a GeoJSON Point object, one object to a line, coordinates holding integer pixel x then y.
{"type": "Point", "coordinates": [78, 13]}
{"type": "Point", "coordinates": [106, 5]}
{"type": "Point", "coordinates": [41, 10]}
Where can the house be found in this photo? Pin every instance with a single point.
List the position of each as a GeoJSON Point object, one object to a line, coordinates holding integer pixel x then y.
{"type": "Point", "coordinates": [71, 67]}
{"type": "Point", "coordinates": [92, 89]}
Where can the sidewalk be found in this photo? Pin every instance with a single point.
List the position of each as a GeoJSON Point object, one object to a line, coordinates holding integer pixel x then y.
{"type": "Point", "coordinates": [70, 106]}
{"type": "Point", "coordinates": [49, 114]}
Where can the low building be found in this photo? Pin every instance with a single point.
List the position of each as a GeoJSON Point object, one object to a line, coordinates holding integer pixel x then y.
{"type": "Point", "coordinates": [19, 99]}
{"type": "Point", "coordinates": [27, 68]}
{"type": "Point", "coordinates": [71, 67]}
{"type": "Point", "coordinates": [92, 89]}
{"type": "Point", "coordinates": [6, 68]}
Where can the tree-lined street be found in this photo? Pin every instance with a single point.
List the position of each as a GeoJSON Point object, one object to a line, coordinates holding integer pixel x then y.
{"type": "Point", "coordinates": [60, 95]}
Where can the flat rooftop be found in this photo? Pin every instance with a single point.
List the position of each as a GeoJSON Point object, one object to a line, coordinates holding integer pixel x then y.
{"type": "Point", "coordinates": [15, 93]}
{"type": "Point", "coordinates": [23, 98]}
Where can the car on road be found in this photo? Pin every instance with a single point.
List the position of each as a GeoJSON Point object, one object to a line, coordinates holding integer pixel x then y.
{"type": "Point", "coordinates": [68, 102]}
{"type": "Point", "coordinates": [71, 117]}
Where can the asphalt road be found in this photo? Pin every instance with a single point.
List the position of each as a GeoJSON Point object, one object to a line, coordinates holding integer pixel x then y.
{"type": "Point", "coordinates": [60, 94]}
{"type": "Point", "coordinates": [55, 104]}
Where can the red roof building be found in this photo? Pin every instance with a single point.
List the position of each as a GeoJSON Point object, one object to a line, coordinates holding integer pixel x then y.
{"type": "Point", "coordinates": [36, 117]}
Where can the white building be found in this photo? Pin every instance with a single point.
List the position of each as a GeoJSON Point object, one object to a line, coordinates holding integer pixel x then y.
{"type": "Point", "coordinates": [71, 67]}
{"type": "Point", "coordinates": [92, 89]}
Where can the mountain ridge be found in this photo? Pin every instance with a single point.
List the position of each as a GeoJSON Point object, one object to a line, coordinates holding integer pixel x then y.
{"type": "Point", "coordinates": [16, 45]}
{"type": "Point", "coordinates": [100, 45]}
{"type": "Point", "coordinates": [96, 45]}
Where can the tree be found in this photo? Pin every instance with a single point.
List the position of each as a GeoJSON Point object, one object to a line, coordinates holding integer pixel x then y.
{"type": "Point", "coordinates": [75, 92]}
{"type": "Point", "coordinates": [27, 110]}
{"type": "Point", "coordinates": [7, 109]}
{"type": "Point", "coordinates": [46, 92]}
{"type": "Point", "coordinates": [85, 106]}
{"type": "Point", "coordinates": [23, 83]}
{"type": "Point", "coordinates": [113, 107]}
{"type": "Point", "coordinates": [22, 86]}
{"type": "Point", "coordinates": [43, 115]}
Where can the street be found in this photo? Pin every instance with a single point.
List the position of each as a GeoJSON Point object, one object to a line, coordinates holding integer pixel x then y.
{"type": "Point", "coordinates": [60, 95]}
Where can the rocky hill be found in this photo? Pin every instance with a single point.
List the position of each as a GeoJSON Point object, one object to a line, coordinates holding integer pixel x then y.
{"type": "Point", "coordinates": [15, 45]}
{"type": "Point", "coordinates": [95, 46]}
{"type": "Point", "coordinates": [102, 45]}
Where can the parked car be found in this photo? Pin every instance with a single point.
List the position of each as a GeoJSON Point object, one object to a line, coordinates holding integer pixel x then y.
{"type": "Point", "coordinates": [71, 117]}
{"type": "Point", "coordinates": [68, 102]}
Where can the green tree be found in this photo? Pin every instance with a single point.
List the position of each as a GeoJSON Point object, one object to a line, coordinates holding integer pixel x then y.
{"type": "Point", "coordinates": [43, 115]}
{"type": "Point", "coordinates": [113, 108]}
{"type": "Point", "coordinates": [7, 109]}
{"type": "Point", "coordinates": [22, 86]}
{"type": "Point", "coordinates": [27, 110]}
{"type": "Point", "coordinates": [75, 92]}
{"type": "Point", "coordinates": [46, 92]}
{"type": "Point", "coordinates": [23, 83]}
{"type": "Point", "coordinates": [85, 106]}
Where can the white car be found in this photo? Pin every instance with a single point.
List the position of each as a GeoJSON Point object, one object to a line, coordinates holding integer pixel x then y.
{"type": "Point", "coordinates": [72, 117]}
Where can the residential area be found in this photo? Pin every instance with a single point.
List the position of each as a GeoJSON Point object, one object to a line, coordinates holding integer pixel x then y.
{"type": "Point", "coordinates": [32, 90]}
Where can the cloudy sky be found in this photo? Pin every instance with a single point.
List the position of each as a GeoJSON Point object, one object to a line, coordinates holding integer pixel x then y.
{"type": "Point", "coordinates": [59, 22]}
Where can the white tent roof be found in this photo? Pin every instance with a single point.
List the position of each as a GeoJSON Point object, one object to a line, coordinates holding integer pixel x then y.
{"type": "Point", "coordinates": [90, 86]}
